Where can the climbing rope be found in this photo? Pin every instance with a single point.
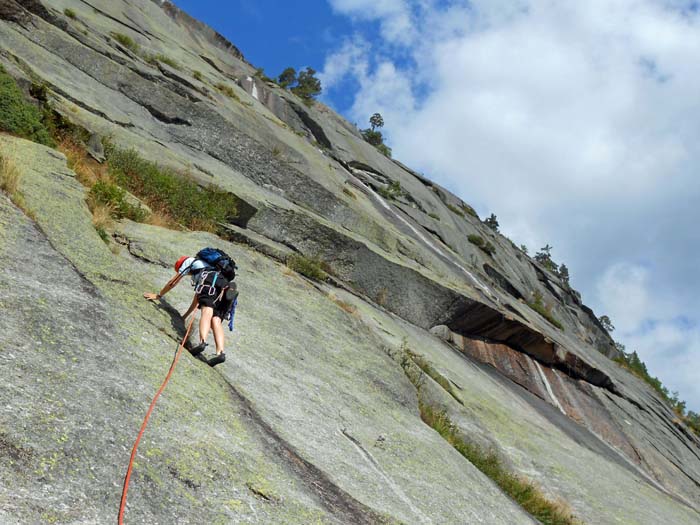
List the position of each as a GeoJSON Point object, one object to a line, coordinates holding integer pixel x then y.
{"type": "Point", "coordinates": [125, 489]}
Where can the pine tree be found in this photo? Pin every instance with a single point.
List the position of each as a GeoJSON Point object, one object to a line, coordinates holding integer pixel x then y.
{"type": "Point", "coordinates": [492, 222]}
{"type": "Point", "coordinates": [287, 78]}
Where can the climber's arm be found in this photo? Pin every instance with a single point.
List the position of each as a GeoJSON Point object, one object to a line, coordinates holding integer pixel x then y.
{"type": "Point", "coordinates": [168, 286]}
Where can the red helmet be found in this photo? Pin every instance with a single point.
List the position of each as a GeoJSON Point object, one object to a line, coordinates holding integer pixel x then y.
{"type": "Point", "coordinates": [179, 262]}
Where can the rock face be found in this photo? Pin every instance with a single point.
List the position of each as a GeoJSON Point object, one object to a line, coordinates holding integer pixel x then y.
{"type": "Point", "coordinates": [312, 418]}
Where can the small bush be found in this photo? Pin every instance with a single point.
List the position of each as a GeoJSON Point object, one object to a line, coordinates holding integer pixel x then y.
{"type": "Point", "coordinates": [434, 216]}
{"type": "Point", "coordinates": [545, 311]}
{"type": "Point", "coordinates": [197, 75]}
{"type": "Point", "coordinates": [349, 193]}
{"type": "Point", "coordinates": [113, 197]}
{"type": "Point", "coordinates": [127, 42]}
{"type": "Point", "coordinates": [70, 13]}
{"type": "Point", "coordinates": [485, 246]}
{"type": "Point", "coordinates": [528, 495]}
{"type": "Point", "coordinates": [19, 117]}
{"type": "Point", "coordinates": [171, 193]}
{"type": "Point", "coordinates": [310, 267]}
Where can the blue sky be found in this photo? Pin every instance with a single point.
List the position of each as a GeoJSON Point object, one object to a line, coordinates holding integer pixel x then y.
{"type": "Point", "coordinates": [274, 34]}
{"type": "Point", "coordinates": [577, 123]}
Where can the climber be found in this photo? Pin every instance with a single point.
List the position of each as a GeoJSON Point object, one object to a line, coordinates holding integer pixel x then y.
{"type": "Point", "coordinates": [212, 274]}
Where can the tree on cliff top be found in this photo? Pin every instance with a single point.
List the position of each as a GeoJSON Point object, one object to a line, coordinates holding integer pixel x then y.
{"type": "Point", "coordinates": [308, 86]}
{"type": "Point", "coordinates": [287, 78]}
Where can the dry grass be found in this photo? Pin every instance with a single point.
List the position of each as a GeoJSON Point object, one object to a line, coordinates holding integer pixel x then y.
{"type": "Point", "coordinates": [347, 307]}
{"type": "Point", "coordinates": [87, 170]}
{"type": "Point", "coordinates": [102, 216]}
{"type": "Point", "coordinates": [162, 220]}
{"type": "Point", "coordinates": [9, 176]}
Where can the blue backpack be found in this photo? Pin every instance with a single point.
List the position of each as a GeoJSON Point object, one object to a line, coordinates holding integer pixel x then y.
{"type": "Point", "coordinates": [219, 260]}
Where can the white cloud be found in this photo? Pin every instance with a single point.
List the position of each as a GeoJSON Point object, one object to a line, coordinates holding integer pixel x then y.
{"type": "Point", "coordinates": [395, 16]}
{"type": "Point", "coordinates": [575, 122]}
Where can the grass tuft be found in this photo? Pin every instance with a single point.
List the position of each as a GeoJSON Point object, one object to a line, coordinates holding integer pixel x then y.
{"type": "Point", "coordinates": [228, 91]}
{"type": "Point", "coordinates": [9, 176]}
{"type": "Point", "coordinates": [311, 267]}
{"type": "Point", "coordinates": [436, 376]}
{"type": "Point", "coordinates": [527, 494]}
{"type": "Point", "coordinates": [485, 246]}
{"type": "Point", "coordinates": [538, 305]}
{"type": "Point", "coordinates": [127, 42]}
{"type": "Point", "coordinates": [70, 13]}
{"type": "Point", "coordinates": [197, 75]}
{"type": "Point", "coordinates": [155, 59]}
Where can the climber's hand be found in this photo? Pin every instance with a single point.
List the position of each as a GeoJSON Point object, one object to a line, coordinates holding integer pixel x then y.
{"type": "Point", "coordinates": [151, 296]}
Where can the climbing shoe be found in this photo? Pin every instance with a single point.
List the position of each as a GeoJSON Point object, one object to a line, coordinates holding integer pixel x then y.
{"type": "Point", "coordinates": [217, 359]}
{"type": "Point", "coordinates": [196, 350]}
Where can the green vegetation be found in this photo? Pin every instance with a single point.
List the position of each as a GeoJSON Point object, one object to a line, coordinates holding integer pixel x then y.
{"type": "Point", "coordinates": [436, 376]}
{"type": "Point", "coordinates": [607, 323]}
{"type": "Point", "coordinates": [469, 210]}
{"type": "Point", "coordinates": [538, 305]}
{"type": "Point", "coordinates": [287, 78]}
{"type": "Point", "coordinates": [197, 75]}
{"type": "Point", "coordinates": [692, 419]}
{"type": "Point", "coordinates": [392, 191]}
{"type": "Point", "coordinates": [171, 193]}
{"type": "Point", "coordinates": [228, 91]}
{"type": "Point", "coordinates": [311, 267]}
{"type": "Point", "coordinates": [455, 210]}
{"type": "Point", "coordinates": [492, 222]}
{"type": "Point", "coordinates": [373, 136]}
{"type": "Point", "coordinates": [544, 257]}
{"type": "Point", "coordinates": [70, 13]}
{"type": "Point", "coordinates": [434, 216]}
{"type": "Point", "coordinates": [154, 59]}
{"type": "Point", "coordinates": [485, 246]}
{"type": "Point", "coordinates": [305, 85]}
{"type": "Point", "coordinates": [631, 362]}
{"type": "Point", "coordinates": [260, 73]}
{"type": "Point", "coordinates": [111, 195]}
{"type": "Point", "coordinates": [127, 42]}
{"type": "Point", "coordinates": [349, 193]}
{"type": "Point", "coordinates": [529, 496]}
{"type": "Point", "coordinates": [524, 492]}
{"type": "Point", "coordinates": [9, 176]}
{"type": "Point", "coordinates": [19, 117]}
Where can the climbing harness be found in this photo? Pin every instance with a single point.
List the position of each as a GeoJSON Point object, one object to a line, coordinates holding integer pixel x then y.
{"type": "Point", "coordinates": [202, 283]}
{"type": "Point", "coordinates": [127, 478]}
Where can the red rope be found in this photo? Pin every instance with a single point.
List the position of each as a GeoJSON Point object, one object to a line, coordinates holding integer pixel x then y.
{"type": "Point", "coordinates": [125, 489]}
